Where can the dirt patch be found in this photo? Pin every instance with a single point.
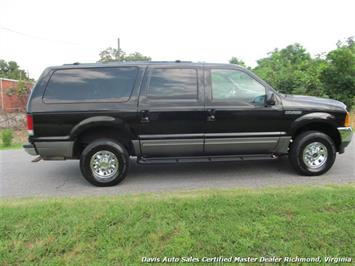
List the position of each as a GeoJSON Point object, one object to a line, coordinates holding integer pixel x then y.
{"type": "Point", "coordinates": [352, 119]}
{"type": "Point", "coordinates": [20, 136]}
{"type": "Point", "coordinates": [16, 121]}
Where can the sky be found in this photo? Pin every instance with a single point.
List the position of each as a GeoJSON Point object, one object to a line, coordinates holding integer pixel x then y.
{"type": "Point", "coordinates": [37, 34]}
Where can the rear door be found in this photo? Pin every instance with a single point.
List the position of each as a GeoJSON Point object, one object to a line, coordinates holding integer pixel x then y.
{"type": "Point", "coordinates": [171, 111]}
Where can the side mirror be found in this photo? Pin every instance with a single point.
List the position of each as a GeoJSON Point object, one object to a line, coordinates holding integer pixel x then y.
{"type": "Point", "coordinates": [270, 99]}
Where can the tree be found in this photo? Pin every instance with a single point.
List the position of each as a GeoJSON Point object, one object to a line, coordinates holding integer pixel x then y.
{"type": "Point", "coordinates": [309, 78]}
{"type": "Point", "coordinates": [11, 70]}
{"type": "Point", "coordinates": [338, 76]}
{"type": "Point", "coordinates": [114, 55]}
{"type": "Point", "coordinates": [136, 57]}
{"type": "Point", "coordinates": [291, 70]}
{"type": "Point", "coordinates": [237, 61]}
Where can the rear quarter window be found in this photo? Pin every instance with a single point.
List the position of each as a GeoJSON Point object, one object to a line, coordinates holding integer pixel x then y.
{"type": "Point", "coordinates": [113, 84]}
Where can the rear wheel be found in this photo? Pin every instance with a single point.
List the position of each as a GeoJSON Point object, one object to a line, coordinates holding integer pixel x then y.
{"type": "Point", "coordinates": [104, 162]}
{"type": "Point", "coordinates": [312, 153]}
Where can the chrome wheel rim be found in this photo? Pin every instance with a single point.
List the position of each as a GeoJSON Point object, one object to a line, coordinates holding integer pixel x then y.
{"type": "Point", "coordinates": [315, 155]}
{"type": "Point", "coordinates": [104, 165]}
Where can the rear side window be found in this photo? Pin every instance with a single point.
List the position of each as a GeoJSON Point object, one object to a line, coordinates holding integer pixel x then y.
{"type": "Point", "coordinates": [172, 84]}
{"type": "Point", "coordinates": [91, 85]}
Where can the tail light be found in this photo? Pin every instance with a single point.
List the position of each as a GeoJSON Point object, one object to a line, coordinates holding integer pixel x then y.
{"type": "Point", "coordinates": [347, 120]}
{"type": "Point", "coordinates": [29, 124]}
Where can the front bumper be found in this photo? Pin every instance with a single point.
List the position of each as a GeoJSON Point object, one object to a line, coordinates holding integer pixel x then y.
{"type": "Point", "coordinates": [346, 134]}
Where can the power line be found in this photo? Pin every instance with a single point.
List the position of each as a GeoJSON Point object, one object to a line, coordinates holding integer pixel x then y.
{"type": "Point", "coordinates": [38, 37]}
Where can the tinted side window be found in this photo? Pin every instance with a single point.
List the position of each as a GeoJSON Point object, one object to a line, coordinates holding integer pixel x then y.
{"type": "Point", "coordinates": [172, 84]}
{"type": "Point", "coordinates": [91, 84]}
{"type": "Point", "coordinates": [237, 86]}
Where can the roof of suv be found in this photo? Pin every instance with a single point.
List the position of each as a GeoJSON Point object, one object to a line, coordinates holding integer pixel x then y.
{"type": "Point", "coordinates": [141, 63]}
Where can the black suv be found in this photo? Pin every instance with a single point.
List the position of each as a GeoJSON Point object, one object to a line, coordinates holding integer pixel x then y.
{"type": "Point", "coordinates": [176, 112]}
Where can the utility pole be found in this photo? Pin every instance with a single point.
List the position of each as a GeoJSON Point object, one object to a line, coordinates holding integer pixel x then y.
{"type": "Point", "coordinates": [118, 47]}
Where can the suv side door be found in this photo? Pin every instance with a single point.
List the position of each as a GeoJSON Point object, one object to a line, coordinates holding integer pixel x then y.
{"type": "Point", "coordinates": [171, 111]}
{"type": "Point", "coordinates": [239, 121]}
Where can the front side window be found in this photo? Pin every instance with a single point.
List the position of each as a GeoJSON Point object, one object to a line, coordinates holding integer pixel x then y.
{"type": "Point", "coordinates": [91, 85]}
{"type": "Point", "coordinates": [236, 86]}
{"type": "Point", "coordinates": [172, 84]}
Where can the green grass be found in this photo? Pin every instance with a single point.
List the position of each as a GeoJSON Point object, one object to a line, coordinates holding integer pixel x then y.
{"type": "Point", "coordinates": [11, 147]}
{"type": "Point", "coordinates": [119, 230]}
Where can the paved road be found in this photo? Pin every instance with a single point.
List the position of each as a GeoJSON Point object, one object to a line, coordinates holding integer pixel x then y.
{"type": "Point", "coordinates": [21, 178]}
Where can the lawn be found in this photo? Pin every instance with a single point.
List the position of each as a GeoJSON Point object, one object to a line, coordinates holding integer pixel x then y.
{"type": "Point", "coordinates": [119, 230]}
{"type": "Point", "coordinates": [11, 147]}
{"type": "Point", "coordinates": [19, 138]}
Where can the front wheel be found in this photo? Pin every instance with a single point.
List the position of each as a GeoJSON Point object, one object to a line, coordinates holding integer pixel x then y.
{"type": "Point", "coordinates": [104, 162]}
{"type": "Point", "coordinates": [312, 153]}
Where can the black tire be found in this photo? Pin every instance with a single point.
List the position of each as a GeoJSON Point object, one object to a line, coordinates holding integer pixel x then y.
{"type": "Point", "coordinates": [298, 147]}
{"type": "Point", "coordinates": [108, 147]}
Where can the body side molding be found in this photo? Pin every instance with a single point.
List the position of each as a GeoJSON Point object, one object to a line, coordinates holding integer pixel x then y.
{"type": "Point", "coordinates": [211, 135]}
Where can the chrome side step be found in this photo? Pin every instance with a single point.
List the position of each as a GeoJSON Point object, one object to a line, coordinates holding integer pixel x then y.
{"type": "Point", "coordinates": [197, 159]}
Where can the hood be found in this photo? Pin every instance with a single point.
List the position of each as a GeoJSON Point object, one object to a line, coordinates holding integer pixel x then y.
{"type": "Point", "coordinates": [291, 100]}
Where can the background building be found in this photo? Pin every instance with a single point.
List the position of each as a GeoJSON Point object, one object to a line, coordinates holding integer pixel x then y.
{"type": "Point", "coordinates": [14, 94]}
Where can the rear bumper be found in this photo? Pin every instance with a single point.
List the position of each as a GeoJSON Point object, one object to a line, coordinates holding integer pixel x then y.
{"type": "Point", "coordinates": [30, 149]}
{"type": "Point", "coordinates": [346, 134]}
{"type": "Point", "coordinates": [50, 150]}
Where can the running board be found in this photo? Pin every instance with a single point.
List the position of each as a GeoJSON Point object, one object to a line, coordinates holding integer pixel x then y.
{"type": "Point", "coordinates": [197, 159]}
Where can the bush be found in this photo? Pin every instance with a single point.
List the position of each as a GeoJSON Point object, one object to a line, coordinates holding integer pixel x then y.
{"type": "Point", "coordinates": [7, 137]}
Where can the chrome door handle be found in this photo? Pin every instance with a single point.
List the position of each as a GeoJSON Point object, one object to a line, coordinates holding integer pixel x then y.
{"type": "Point", "coordinates": [144, 116]}
{"type": "Point", "coordinates": [211, 115]}
{"type": "Point", "coordinates": [211, 118]}
{"type": "Point", "coordinates": [145, 119]}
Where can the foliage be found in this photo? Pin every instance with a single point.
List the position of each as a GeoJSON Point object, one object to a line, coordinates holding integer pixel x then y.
{"type": "Point", "coordinates": [120, 230]}
{"type": "Point", "coordinates": [13, 146]}
{"type": "Point", "coordinates": [310, 83]}
{"type": "Point", "coordinates": [7, 136]}
{"type": "Point", "coordinates": [136, 57]}
{"type": "Point", "coordinates": [339, 74]}
{"type": "Point", "coordinates": [21, 92]}
{"type": "Point", "coordinates": [21, 88]}
{"type": "Point", "coordinates": [292, 70]}
{"type": "Point", "coordinates": [114, 55]}
{"type": "Point", "coordinates": [11, 70]}
{"type": "Point", "coordinates": [237, 61]}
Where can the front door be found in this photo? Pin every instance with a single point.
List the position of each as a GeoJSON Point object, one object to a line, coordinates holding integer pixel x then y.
{"type": "Point", "coordinates": [171, 111]}
{"type": "Point", "coordinates": [238, 121]}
